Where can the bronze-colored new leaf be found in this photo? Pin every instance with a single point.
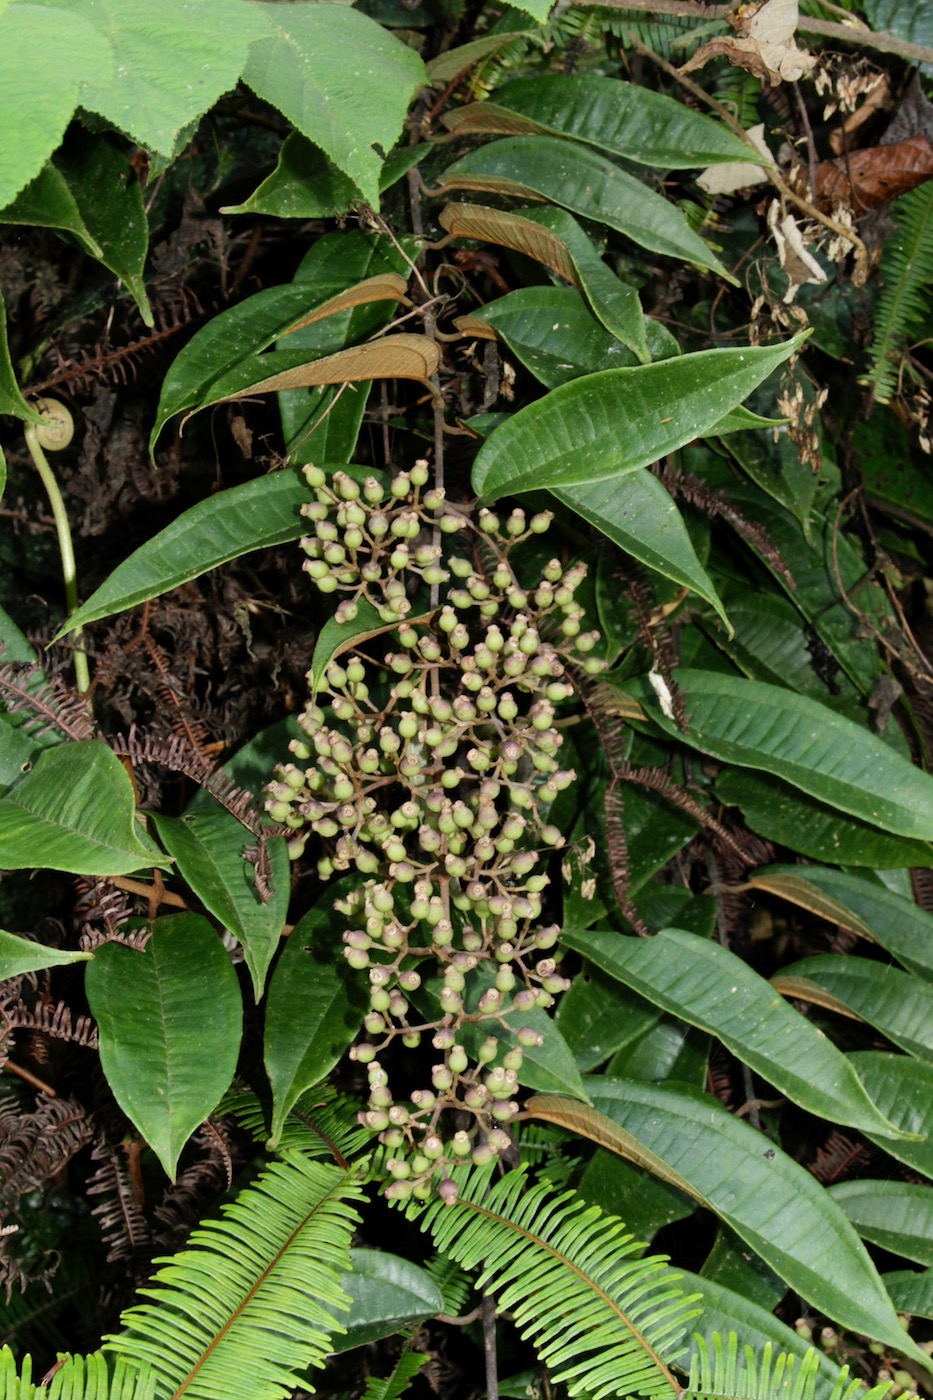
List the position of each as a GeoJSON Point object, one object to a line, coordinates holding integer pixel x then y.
{"type": "Point", "coordinates": [392, 357]}
{"type": "Point", "coordinates": [489, 119]}
{"type": "Point", "coordinates": [510, 231]}
{"type": "Point", "coordinates": [387, 286]}
{"type": "Point", "coordinates": [868, 178]}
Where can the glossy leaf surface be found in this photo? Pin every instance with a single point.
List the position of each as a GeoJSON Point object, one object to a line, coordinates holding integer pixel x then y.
{"type": "Point", "coordinates": [896, 1215]}
{"type": "Point", "coordinates": [21, 955]}
{"type": "Point", "coordinates": [170, 1020]}
{"type": "Point", "coordinates": [75, 811]}
{"type": "Point", "coordinates": [898, 1004]}
{"type": "Point", "coordinates": [388, 1294]}
{"type": "Point", "coordinates": [903, 1088]}
{"type": "Point", "coordinates": [603, 425]}
{"type": "Point", "coordinates": [708, 986]}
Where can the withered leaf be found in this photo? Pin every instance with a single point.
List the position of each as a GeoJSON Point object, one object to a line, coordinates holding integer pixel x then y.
{"type": "Point", "coordinates": [392, 357]}
{"type": "Point", "coordinates": [387, 286]}
{"type": "Point", "coordinates": [868, 178]}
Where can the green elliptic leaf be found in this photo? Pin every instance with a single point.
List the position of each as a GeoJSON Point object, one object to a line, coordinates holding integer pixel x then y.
{"type": "Point", "coordinates": [35, 109]}
{"type": "Point", "coordinates": [19, 955]}
{"type": "Point", "coordinates": [162, 66]}
{"type": "Point", "coordinates": [110, 201]}
{"type": "Point", "coordinates": [614, 422]}
{"type": "Point", "coordinates": [48, 202]}
{"type": "Point", "coordinates": [863, 906]}
{"type": "Point", "coordinates": [11, 398]}
{"type": "Point", "coordinates": [706, 985]}
{"type": "Point", "coordinates": [893, 1214]}
{"type": "Point", "coordinates": [898, 1004]}
{"type": "Point", "coordinates": [577, 178]}
{"type": "Point", "coordinates": [597, 1017]}
{"type": "Point", "coordinates": [639, 515]}
{"type": "Point", "coordinates": [339, 77]}
{"type": "Point", "coordinates": [207, 847]}
{"type": "Point", "coordinates": [75, 811]}
{"type": "Point", "coordinates": [389, 1294]}
{"type": "Point", "coordinates": [303, 185]}
{"type": "Point", "coordinates": [688, 1139]}
{"type": "Point", "coordinates": [911, 1292]}
{"type": "Point", "coordinates": [170, 1020]}
{"type": "Point", "coordinates": [832, 758]}
{"type": "Point", "coordinates": [903, 1089]}
{"type": "Point", "coordinates": [219, 528]}
{"type": "Point", "coordinates": [314, 1010]}
{"type": "Point", "coordinates": [335, 638]}
{"type": "Point", "coordinates": [630, 121]}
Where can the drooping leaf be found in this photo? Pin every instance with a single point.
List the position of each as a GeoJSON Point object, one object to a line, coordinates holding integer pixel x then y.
{"type": "Point", "coordinates": [255, 515]}
{"type": "Point", "coordinates": [388, 1294]}
{"type": "Point", "coordinates": [862, 906]}
{"type": "Point", "coordinates": [902, 1087]}
{"type": "Point", "coordinates": [303, 185]}
{"type": "Point", "coordinates": [19, 955]}
{"type": "Point", "coordinates": [606, 424]}
{"type": "Point", "coordinates": [911, 1292]}
{"type": "Point", "coordinates": [315, 1008]}
{"type": "Point", "coordinates": [269, 1268]}
{"type": "Point", "coordinates": [48, 202]}
{"type": "Point", "coordinates": [833, 759]}
{"type": "Point", "coordinates": [898, 1004]}
{"type": "Point", "coordinates": [896, 1215]}
{"type": "Point", "coordinates": [75, 811]}
{"type": "Point", "coordinates": [626, 119]}
{"type": "Point", "coordinates": [36, 41]}
{"type": "Point", "coordinates": [706, 985]}
{"type": "Point", "coordinates": [170, 1020]}
{"type": "Point", "coordinates": [342, 79]}
{"type": "Point", "coordinates": [11, 398]}
{"type": "Point", "coordinates": [771, 1202]}
{"type": "Point", "coordinates": [207, 847]}
{"type": "Point", "coordinates": [577, 178]}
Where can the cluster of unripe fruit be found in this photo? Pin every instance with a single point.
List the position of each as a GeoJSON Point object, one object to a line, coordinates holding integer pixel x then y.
{"type": "Point", "coordinates": [429, 767]}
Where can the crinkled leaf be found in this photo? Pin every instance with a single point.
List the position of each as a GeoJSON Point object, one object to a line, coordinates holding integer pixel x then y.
{"type": "Point", "coordinates": [219, 528]}
{"type": "Point", "coordinates": [896, 1215]}
{"type": "Point", "coordinates": [706, 985]}
{"type": "Point", "coordinates": [36, 43]}
{"type": "Point", "coordinates": [75, 811]}
{"type": "Point", "coordinates": [898, 1004]}
{"type": "Point", "coordinates": [342, 79]}
{"type": "Point", "coordinates": [170, 1020]}
{"type": "Point", "coordinates": [314, 1010]}
{"type": "Point", "coordinates": [207, 847]}
{"type": "Point", "coordinates": [20, 955]}
{"type": "Point", "coordinates": [833, 759]}
{"type": "Point", "coordinates": [630, 121]}
{"type": "Point", "coordinates": [606, 424]}
{"type": "Point", "coordinates": [771, 1202]}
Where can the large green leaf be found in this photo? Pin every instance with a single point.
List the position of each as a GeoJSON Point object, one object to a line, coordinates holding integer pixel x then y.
{"type": "Point", "coordinates": [314, 1010]}
{"type": "Point", "coordinates": [605, 424]}
{"type": "Point", "coordinates": [707, 985]}
{"type": "Point", "coordinates": [170, 1020]}
{"type": "Point", "coordinates": [792, 819]}
{"type": "Point", "coordinates": [898, 1004]}
{"type": "Point", "coordinates": [861, 905]}
{"type": "Point", "coordinates": [161, 66]}
{"type": "Point", "coordinates": [903, 1089]}
{"type": "Point", "coordinates": [388, 1294]}
{"type": "Point", "coordinates": [342, 79]}
{"type": "Point", "coordinates": [20, 955]}
{"type": "Point", "coordinates": [219, 528]}
{"type": "Point", "coordinates": [35, 43]}
{"type": "Point", "coordinates": [579, 179]}
{"type": "Point", "coordinates": [75, 811]}
{"type": "Point", "coordinates": [833, 759]}
{"type": "Point", "coordinates": [639, 515]}
{"type": "Point", "coordinates": [207, 847]}
{"type": "Point", "coordinates": [771, 1202]}
{"type": "Point", "coordinates": [894, 1214]}
{"type": "Point", "coordinates": [911, 1292]}
{"type": "Point", "coordinates": [626, 119]}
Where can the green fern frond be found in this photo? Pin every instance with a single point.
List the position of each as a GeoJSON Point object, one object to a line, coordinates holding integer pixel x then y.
{"type": "Point", "coordinates": [907, 299]}
{"type": "Point", "coordinates": [667, 35]}
{"type": "Point", "coordinates": [238, 1314]}
{"type": "Point", "coordinates": [77, 1378]}
{"type": "Point", "coordinates": [781, 1377]}
{"type": "Point", "coordinates": [454, 1284]}
{"type": "Point", "coordinates": [394, 1386]}
{"type": "Point", "coordinates": [600, 1314]}
{"type": "Point", "coordinates": [322, 1123]}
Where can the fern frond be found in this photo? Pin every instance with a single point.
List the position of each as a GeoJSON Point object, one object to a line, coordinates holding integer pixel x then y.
{"type": "Point", "coordinates": [406, 1368]}
{"type": "Point", "coordinates": [238, 1313]}
{"type": "Point", "coordinates": [322, 1123]}
{"type": "Point", "coordinates": [907, 299]}
{"type": "Point", "coordinates": [599, 1313]}
{"type": "Point", "coordinates": [77, 1378]}
{"type": "Point", "coordinates": [453, 1283]}
{"type": "Point", "coordinates": [781, 1377]}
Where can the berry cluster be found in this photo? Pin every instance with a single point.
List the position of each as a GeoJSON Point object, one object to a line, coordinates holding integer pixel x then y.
{"type": "Point", "coordinates": [430, 768]}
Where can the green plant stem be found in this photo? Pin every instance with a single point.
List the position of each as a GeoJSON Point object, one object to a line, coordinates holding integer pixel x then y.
{"type": "Point", "coordinates": [65, 549]}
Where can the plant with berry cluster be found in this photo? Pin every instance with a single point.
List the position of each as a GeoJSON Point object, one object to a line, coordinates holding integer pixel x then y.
{"type": "Point", "coordinates": [429, 767]}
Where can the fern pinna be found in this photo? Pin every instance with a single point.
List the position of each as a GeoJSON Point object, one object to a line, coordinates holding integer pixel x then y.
{"type": "Point", "coordinates": [905, 302]}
